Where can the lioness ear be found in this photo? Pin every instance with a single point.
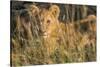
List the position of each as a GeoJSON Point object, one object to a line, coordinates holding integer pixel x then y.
{"type": "Point", "coordinates": [34, 10]}
{"type": "Point", "coordinates": [54, 9]}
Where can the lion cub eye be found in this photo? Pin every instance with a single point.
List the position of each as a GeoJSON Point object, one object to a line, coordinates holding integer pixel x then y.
{"type": "Point", "coordinates": [48, 21]}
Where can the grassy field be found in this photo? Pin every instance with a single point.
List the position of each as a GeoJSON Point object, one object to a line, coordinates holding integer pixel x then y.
{"type": "Point", "coordinates": [42, 34]}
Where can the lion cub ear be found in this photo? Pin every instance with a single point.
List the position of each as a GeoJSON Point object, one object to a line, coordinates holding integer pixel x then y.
{"type": "Point", "coordinates": [54, 9]}
{"type": "Point", "coordinates": [33, 9]}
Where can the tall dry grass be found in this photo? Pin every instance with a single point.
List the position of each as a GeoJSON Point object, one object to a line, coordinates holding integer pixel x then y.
{"type": "Point", "coordinates": [77, 43]}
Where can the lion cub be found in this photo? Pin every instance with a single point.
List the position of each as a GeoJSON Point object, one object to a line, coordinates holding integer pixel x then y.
{"type": "Point", "coordinates": [52, 29]}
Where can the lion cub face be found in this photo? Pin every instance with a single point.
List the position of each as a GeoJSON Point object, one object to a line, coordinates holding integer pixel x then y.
{"type": "Point", "coordinates": [49, 20]}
